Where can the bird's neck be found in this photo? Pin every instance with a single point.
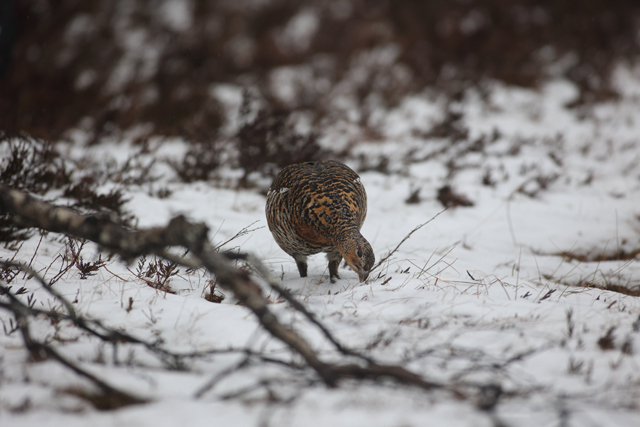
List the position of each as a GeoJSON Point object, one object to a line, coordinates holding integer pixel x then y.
{"type": "Point", "coordinates": [346, 237]}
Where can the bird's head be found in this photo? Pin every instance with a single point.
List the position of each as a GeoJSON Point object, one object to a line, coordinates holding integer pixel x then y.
{"type": "Point", "coordinates": [358, 255]}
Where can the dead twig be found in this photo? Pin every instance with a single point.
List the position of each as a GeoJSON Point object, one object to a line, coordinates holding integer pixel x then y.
{"type": "Point", "coordinates": [194, 237]}
{"type": "Point", "coordinates": [246, 230]}
{"type": "Point", "coordinates": [284, 293]}
{"type": "Point", "coordinates": [93, 327]}
{"type": "Point", "coordinates": [39, 351]}
{"type": "Point", "coordinates": [179, 232]}
{"type": "Point", "coordinates": [386, 257]}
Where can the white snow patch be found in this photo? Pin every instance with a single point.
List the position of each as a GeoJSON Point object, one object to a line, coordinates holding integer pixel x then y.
{"type": "Point", "coordinates": [177, 14]}
{"type": "Point", "coordinates": [481, 294]}
{"type": "Point", "coordinates": [297, 34]}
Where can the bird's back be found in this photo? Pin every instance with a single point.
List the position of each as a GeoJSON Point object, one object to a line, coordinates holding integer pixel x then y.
{"type": "Point", "coordinates": [311, 204]}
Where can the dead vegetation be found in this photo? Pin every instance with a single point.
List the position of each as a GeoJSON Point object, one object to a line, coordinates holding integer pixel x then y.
{"type": "Point", "coordinates": [613, 270]}
{"type": "Point", "coordinates": [372, 54]}
{"type": "Point", "coordinates": [600, 256]}
{"type": "Point", "coordinates": [80, 48]}
{"type": "Point", "coordinates": [156, 273]}
{"type": "Point", "coordinates": [449, 46]}
{"type": "Point", "coordinates": [269, 141]}
{"type": "Point", "coordinates": [179, 232]}
{"type": "Point", "coordinates": [199, 163]}
{"type": "Point", "coordinates": [31, 164]}
{"type": "Point", "coordinates": [450, 199]}
{"type": "Point", "coordinates": [605, 269]}
{"type": "Point", "coordinates": [160, 267]}
{"type": "Point", "coordinates": [633, 291]}
{"type": "Point", "coordinates": [34, 165]}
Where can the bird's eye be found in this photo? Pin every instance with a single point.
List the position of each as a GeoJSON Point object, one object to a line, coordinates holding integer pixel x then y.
{"type": "Point", "coordinates": [359, 252]}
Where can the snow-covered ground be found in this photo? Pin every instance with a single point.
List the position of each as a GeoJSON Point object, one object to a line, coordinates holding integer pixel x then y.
{"type": "Point", "coordinates": [491, 294]}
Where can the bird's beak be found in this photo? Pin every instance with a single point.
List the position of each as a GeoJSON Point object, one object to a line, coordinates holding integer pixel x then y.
{"type": "Point", "coordinates": [363, 276]}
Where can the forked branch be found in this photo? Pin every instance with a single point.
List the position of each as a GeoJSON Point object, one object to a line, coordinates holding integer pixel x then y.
{"type": "Point", "coordinates": [194, 237]}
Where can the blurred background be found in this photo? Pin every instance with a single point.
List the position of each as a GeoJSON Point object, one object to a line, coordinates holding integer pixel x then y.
{"type": "Point", "coordinates": [106, 66]}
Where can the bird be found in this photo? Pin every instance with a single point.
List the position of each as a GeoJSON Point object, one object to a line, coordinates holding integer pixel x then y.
{"type": "Point", "coordinates": [320, 206]}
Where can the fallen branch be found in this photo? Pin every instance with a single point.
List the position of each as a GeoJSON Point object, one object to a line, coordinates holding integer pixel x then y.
{"type": "Point", "coordinates": [194, 237]}
{"type": "Point", "coordinates": [297, 305]}
{"type": "Point", "coordinates": [130, 244]}
{"type": "Point", "coordinates": [111, 397]}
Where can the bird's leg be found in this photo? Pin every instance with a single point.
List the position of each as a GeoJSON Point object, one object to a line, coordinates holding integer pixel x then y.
{"type": "Point", "coordinates": [334, 262]}
{"type": "Point", "coordinates": [301, 262]}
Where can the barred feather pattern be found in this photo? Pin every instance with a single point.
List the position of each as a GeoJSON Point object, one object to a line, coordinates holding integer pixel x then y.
{"type": "Point", "coordinates": [318, 207]}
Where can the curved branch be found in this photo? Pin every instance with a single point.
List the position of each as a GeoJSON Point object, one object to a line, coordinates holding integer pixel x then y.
{"type": "Point", "coordinates": [194, 237]}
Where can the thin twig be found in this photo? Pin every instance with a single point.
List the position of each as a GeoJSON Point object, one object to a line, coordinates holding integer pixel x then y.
{"type": "Point", "coordinates": [35, 252]}
{"type": "Point", "coordinates": [39, 351]}
{"type": "Point", "coordinates": [220, 376]}
{"type": "Point", "coordinates": [244, 231]}
{"type": "Point", "coordinates": [385, 258]}
{"type": "Point", "coordinates": [94, 327]}
{"type": "Point", "coordinates": [194, 237]}
{"type": "Point", "coordinates": [284, 293]}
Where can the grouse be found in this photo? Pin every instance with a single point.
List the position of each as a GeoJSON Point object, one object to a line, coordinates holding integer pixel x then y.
{"type": "Point", "coordinates": [315, 207]}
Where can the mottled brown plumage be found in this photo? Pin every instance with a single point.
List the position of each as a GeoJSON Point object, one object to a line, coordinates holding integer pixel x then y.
{"type": "Point", "coordinates": [318, 207]}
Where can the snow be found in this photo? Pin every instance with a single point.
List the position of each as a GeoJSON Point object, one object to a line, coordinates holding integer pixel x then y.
{"type": "Point", "coordinates": [177, 14]}
{"type": "Point", "coordinates": [479, 295]}
{"type": "Point", "coordinates": [297, 34]}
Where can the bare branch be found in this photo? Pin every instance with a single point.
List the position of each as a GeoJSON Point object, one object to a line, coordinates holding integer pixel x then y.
{"type": "Point", "coordinates": [40, 351]}
{"type": "Point", "coordinates": [194, 237]}
{"type": "Point", "coordinates": [284, 293]}
{"type": "Point", "coordinates": [246, 230]}
{"type": "Point", "coordinates": [220, 376]}
{"type": "Point", "coordinates": [179, 232]}
{"type": "Point", "coordinates": [93, 327]}
{"type": "Point", "coordinates": [376, 371]}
